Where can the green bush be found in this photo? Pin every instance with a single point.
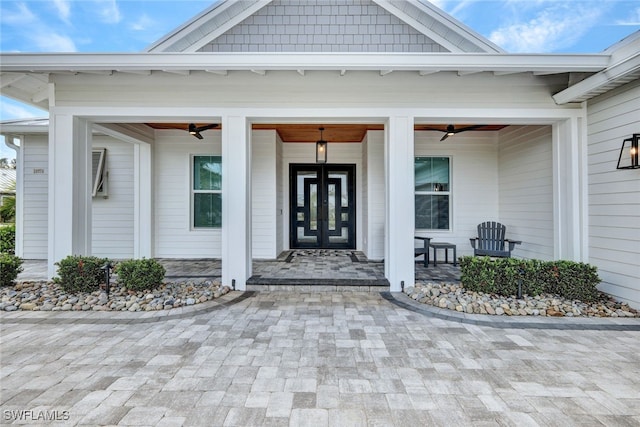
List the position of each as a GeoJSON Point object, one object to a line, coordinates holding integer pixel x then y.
{"type": "Point", "coordinates": [10, 266]}
{"type": "Point", "coordinates": [8, 239]}
{"type": "Point", "coordinates": [572, 280]}
{"type": "Point", "coordinates": [80, 273]}
{"type": "Point", "coordinates": [140, 274]}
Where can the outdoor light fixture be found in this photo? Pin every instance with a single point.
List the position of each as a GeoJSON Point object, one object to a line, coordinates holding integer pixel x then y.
{"type": "Point", "coordinates": [629, 153]}
{"type": "Point", "coordinates": [195, 130]}
{"type": "Point", "coordinates": [321, 149]}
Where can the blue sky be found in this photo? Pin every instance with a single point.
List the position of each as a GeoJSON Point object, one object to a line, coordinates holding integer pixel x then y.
{"type": "Point", "coordinates": [541, 26]}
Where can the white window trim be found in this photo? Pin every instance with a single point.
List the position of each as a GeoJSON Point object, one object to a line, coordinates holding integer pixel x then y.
{"type": "Point", "coordinates": [438, 193]}
{"type": "Point", "coordinates": [193, 191]}
{"type": "Point", "coordinates": [100, 179]}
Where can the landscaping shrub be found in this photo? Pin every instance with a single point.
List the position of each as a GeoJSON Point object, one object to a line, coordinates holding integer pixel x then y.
{"type": "Point", "coordinates": [80, 273]}
{"type": "Point", "coordinates": [140, 274]}
{"type": "Point", "coordinates": [8, 239]}
{"type": "Point", "coordinates": [572, 280]}
{"type": "Point", "coordinates": [10, 266]}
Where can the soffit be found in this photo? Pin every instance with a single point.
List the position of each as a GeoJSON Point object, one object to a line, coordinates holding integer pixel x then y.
{"type": "Point", "coordinates": [334, 133]}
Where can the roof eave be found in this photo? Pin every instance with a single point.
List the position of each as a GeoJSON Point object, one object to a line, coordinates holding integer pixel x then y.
{"type": "Point", "coordinates": [625, 68]}
{"type": "Point", "coordinates": [179, 61]}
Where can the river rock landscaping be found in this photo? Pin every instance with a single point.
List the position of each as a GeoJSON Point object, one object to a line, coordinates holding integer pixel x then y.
{"type": "Point", "coordinates": [453, 296]}
{"type": "Point", "coordinates": [48, 296]}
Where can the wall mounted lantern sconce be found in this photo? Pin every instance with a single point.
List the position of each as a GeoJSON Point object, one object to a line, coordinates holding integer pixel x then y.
{"type": "Point", "coordinates": [628, 158]}
{"type": "Point", "coordinates": [195, 130]}
{"type": "Point", "coordinates": [321, 149]}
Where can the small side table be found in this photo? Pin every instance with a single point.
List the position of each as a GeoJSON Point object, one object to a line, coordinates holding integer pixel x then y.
{"type": "Point", "coordinates": [446, 246]}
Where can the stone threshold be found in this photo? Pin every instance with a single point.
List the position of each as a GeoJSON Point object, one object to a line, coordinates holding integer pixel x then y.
{"type": "Point", "coordinates": [273, 284]}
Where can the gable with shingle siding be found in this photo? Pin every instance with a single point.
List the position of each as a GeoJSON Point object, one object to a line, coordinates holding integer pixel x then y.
{"type": "Point", "coordinates": [323, 26]}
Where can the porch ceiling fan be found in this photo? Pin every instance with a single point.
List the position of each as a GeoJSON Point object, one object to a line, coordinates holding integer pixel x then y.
{"type": "Point", "coordinates": [451, 130]}
{"type": "Point", "coordinates": [195, 130]}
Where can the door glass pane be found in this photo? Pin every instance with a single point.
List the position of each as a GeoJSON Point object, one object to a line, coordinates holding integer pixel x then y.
{"type": "Point", "coordinates": [313, 206]}
{"type": "Point", "coordinates": [344, 194]}
{"type": "Point", "coordinates": [342, 238]}
{"type": "Point", "coordinates": [305, 238]}
{"type": "Point", "coordinates": [302, 176]}
{"type": "Point", "coordinates": [331, 194]}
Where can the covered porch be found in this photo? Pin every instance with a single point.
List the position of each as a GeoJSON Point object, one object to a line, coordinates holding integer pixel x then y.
{"type": "Point", "coordinates": [308, 270]}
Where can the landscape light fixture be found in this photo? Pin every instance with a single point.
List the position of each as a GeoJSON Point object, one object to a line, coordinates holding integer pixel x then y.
{"type": "Point", "coordinates": [628, 158]}
{"type": "Point", "coordinates": [195, 130]}
{"type": "Point", "coordinates": [321, 149]}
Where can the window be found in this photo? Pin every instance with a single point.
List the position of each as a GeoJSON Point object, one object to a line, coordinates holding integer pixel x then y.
{"type": "Point", "coordinates": [432, 193]}
{"type": "Point", "coordinates": [98, 174]}
{"type": "Point", "coordinates": [207, 192]}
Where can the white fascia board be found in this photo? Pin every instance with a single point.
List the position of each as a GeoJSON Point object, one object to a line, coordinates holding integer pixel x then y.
{"type": "Point", "coordinates": [188, 27]}
{"type": "Point", "coordinates": [604, 78]}
{"type": "Point", "coordinates": [199, 61]}
{"type": "Point", "coordinates": [227, 25]}
{"type": "Point", "coordinates": [184, 33]}
{"type": "Point", "coordinates": [445, 19]}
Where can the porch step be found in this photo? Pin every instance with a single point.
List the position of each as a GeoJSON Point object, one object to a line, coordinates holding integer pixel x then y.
{"type": "Point", "coordinates": [271, 284]}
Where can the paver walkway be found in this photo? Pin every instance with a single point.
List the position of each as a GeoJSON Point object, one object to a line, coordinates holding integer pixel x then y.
{"type": "Point", "coordinates": [316, 359]}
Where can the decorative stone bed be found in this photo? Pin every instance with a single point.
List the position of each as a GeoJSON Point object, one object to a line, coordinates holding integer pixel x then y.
{"type": "Point", "coordinates": [47, 296]}
{"type": "Point", "coordinates": [455, 297]}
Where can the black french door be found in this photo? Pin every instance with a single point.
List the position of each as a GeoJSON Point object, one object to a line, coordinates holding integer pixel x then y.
{"type": "Point", "coordinates": [322, 206]}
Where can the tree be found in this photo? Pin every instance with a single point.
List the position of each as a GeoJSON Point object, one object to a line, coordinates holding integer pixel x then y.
{"type": "Point", "coordinates": [4, 163]}
{"type": "Point", "coordinates": [8, 208]}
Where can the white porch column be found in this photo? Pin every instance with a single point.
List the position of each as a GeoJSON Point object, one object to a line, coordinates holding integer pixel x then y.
{"type": "Point", "coordinates": [570, 190]}
{"type": "Point", "coordinates": [143, 201]}
{"type": "Point", "coordinates": [69, 230]}
{"type": "Point", "coordinates": [236, 201]}
{"type": "Point", "coordinates": [399, 219]}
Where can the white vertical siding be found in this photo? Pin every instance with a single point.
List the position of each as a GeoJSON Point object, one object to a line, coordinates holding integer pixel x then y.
{"type": "Point", "coordinates": [263, 194]}
{"type": "Point", "coordinates": [35, 196]}
{"type": "Point", "coordinates": [112, 218]}
{"type": "Point", "coordinates": [342, 153]}
{"type": "Point", "coordinates": [526, 189]}
{"type": "Point", "coordinates": [375, 193]}
{"type": "Point", "coordinates": [174, 237]}
{"type": "Point", "coordinates": [614, 195]}
{"type": "Point", "coordinates": [474, 183]}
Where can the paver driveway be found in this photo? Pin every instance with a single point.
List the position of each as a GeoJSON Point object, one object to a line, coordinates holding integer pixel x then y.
{"type": "Point", "coordinates": [313, 359]}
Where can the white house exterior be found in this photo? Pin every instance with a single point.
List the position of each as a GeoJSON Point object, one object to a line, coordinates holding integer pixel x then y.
{"type": "Point", "coordinates": [390, 70]}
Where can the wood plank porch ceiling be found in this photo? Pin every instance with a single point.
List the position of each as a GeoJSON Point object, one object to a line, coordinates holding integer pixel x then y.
{"type": "Point", "coordinates": [333, 133]}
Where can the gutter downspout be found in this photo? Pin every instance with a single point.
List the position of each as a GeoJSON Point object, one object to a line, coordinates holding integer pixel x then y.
{"type": "Point", "coordinates": [8, 141]}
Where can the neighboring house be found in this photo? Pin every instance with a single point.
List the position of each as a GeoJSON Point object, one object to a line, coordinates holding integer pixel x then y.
{"type": "Point", "coordinates": [7, 185]}
{"type": "Point", "coordinates": [384, 79]}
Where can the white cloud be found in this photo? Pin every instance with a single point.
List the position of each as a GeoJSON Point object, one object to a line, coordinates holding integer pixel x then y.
{"type": "Point", "coordinates": [10, 109]}
{"type": "Point", "coordinates": [21, 16]}
{"type": "Point", "coordinates": [109, 11]}
{"type": "Point", "coordinates": [64, 9]}
{"type": "Point", "coordinates": [558, 25]}
{"type": "Point", "coordinates": [633, 19]}
{"type": "Point", "coordinates": [143, 23]}
{"type": "Point", "coordinates": [52, 42]}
